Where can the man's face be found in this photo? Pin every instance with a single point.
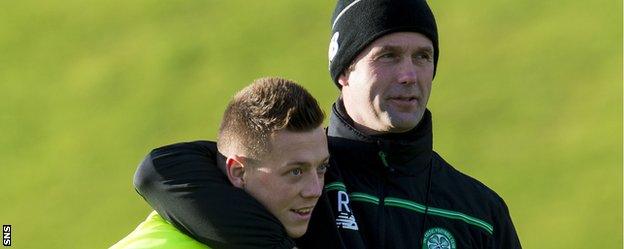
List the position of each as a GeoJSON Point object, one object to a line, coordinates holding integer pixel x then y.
{"type": "Point", "coordinates": [388, 86]}
{"type": "Point", "coordinates": [289, 180]}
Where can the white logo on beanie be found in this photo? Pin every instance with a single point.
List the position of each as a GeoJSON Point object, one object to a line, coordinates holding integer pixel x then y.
{"type": "Point", "coordinates": [333, 46]}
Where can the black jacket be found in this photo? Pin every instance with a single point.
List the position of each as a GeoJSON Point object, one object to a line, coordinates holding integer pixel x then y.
{"type": "Point", "coordinates": [389, 191]}
{"type": "Point", "coordinates": [402, 193]}
{"type": "Point", "coordinates": [183, 183]}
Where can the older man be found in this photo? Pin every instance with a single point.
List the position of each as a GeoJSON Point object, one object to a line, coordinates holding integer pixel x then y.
{"type": "Point", "coordinates": [387, 188]}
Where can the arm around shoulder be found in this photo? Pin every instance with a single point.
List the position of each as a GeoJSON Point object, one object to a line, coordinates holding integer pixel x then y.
{"type": "Point", "coordinates": [183, 183]}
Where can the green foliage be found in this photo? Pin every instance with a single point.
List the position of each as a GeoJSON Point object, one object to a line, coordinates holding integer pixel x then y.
{"type": "Point", "coordinates": [527, 98]}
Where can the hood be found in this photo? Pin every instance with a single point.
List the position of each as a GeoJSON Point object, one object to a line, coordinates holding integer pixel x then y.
{"type": "Point", "coordinates": [407, 153]}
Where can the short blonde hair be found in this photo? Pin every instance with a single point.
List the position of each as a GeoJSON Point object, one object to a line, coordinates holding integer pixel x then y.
{"type": "Point", "coordinates": [262, 108]}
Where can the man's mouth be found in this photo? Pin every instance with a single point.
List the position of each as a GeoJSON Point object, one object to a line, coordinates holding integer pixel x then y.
{"type": "Point", "coordinates": [404, 100]}
{"type": "Point", "coordinates": [303, 211]}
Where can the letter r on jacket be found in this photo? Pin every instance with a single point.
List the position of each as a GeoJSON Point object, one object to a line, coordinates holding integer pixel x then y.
{"type": "Point", "coordinates": [343, 202]}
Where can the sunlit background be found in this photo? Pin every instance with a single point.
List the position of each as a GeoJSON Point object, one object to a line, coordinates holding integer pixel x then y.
{"type": "Point", "coordinates": [527, 99]}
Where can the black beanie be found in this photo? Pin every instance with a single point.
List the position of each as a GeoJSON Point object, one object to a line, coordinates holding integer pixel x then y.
{"type": "Point", "coordinates": [357, 23]}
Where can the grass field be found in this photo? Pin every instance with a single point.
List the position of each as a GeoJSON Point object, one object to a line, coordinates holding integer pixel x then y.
{"type": "Point", "coordinates": [527, 98]}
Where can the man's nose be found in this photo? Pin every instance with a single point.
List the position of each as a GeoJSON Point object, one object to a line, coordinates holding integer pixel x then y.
{"type": "Point", "coordinates": [313, 187]}
{"type": "Point", "coordinates": [407, 71]}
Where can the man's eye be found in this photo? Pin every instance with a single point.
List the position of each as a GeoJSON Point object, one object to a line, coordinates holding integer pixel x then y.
{"type": "Point", "coordinates": [423, 57]}
{"type": "Point", "coordinates": [387, 56]}
{"type": "Point", "coordinates": [296, 171]}
{"type": "Point", "coordinates": [323, 168]}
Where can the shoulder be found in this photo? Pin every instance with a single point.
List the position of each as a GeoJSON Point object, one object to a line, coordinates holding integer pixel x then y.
{"type": "Point", "coordinates": [187, 161]}
{"type": "Point", "coordinates": [155, 232]}
{"type": "Point", "coordinates": [196, 153]}
{"type": "Point", "coordinates": [200, 146]}
{"type": "Point", "coordinates": [462, 186]}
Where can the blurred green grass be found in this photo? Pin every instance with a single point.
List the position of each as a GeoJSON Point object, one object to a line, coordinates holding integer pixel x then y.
{"type": "Point", "coordinates": [527, 98]}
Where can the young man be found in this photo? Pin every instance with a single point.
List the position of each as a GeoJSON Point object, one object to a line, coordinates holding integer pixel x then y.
{"type": "Point", "coordinates": [387, 188]}
{"type": "Point", "coordinates": [273, 148]}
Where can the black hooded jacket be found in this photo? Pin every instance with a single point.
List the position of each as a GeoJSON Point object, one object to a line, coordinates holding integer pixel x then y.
{"type": "Point", "coordinates": [387, 191]}
{"type": "Point", "coordinates": [403, 194]}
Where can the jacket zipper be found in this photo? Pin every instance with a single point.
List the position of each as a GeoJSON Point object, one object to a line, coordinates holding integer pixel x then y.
{"type": "Point", "coordinates": [380, 214]}
{"type": "Point", "coordinates": [384, 160]}
{"type": "Point", "coordinates": [382, 196]}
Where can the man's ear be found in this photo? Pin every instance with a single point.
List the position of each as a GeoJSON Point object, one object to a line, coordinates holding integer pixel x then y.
{"type": "Point", "coordinates": [235, 171]}
{"type": "Point", "coordinates": [343, 79]}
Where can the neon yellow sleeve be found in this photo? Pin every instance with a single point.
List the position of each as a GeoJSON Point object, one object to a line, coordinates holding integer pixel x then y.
{"type": "Point", "coordinates": [156, 233]}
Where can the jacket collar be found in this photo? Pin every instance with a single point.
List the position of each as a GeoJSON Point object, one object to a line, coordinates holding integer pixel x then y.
{"type": "Point", "coordinates": [408, 152]}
